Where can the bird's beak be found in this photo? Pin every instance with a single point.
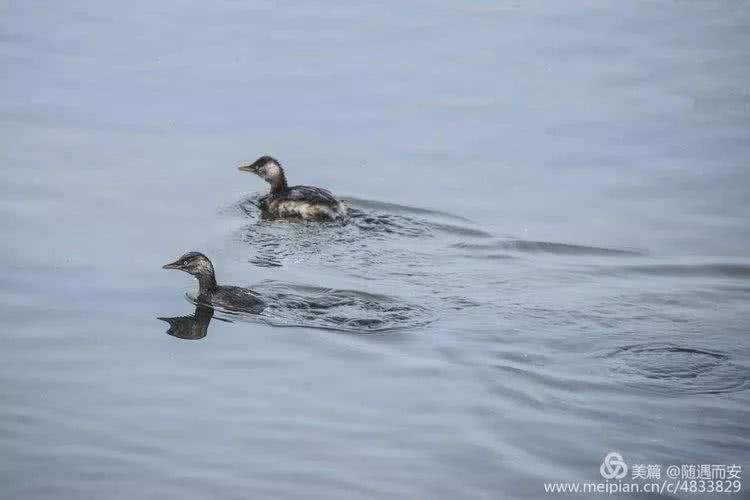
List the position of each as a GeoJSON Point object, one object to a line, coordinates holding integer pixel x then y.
{"type": "Point", "coordinates": [172, 265]}
{"type": "Point", "coordinates": [247, 168]}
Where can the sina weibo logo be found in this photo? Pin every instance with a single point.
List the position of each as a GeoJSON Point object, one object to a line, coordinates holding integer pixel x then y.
{"type": "Point", "coordinates": [613, 467]}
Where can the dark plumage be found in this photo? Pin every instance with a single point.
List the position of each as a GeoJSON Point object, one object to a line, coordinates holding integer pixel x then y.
{"type": "Point", "coordinates": [306, 202]}
{"type": "Point", "coordinates": [209, 292]}
{"type": "Point", "coordinates": [308, 193]}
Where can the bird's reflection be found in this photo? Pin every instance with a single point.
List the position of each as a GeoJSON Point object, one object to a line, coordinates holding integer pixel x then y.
{"type": "Point", "coordinates": [193, 327]}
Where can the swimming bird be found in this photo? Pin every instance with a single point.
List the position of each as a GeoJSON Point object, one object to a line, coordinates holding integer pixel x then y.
{"type": "Point", "coordinates": [209, 292]}
{"type": "Point", "coordinates": [305, 202]}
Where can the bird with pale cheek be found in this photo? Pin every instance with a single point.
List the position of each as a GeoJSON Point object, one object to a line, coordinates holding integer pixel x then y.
{"type": "Point", "coordinates": [233, 298]}
{"type": "Point", "coordinates": [296, 202]}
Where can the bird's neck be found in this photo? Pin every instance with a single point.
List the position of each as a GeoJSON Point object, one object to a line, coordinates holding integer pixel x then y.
{"type": "Point", "coordinates": [206, 283]}
{"type": "Point", "coordinates": [279, 184]}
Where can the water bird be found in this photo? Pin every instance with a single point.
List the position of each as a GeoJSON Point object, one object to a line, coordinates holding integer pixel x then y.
{"type": "Point", "coordinates": [302, 202]}
{"type": "Point", "coordinates": [233, 298]}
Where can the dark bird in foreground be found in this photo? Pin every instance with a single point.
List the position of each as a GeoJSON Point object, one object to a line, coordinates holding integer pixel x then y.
{"type": "Point", "coordinates": [233, 298]}
{"type": "Point", "coordinates": [305, 202]}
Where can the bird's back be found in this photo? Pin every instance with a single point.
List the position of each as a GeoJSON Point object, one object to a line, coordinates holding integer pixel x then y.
{"type": "Point", "coordinates": [309, 194]}
{"type": "Point", "coordinates": [237, 299]}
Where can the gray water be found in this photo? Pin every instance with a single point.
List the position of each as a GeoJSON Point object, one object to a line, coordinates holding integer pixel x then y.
{"type": "Point", "coordinates": [547, 260]}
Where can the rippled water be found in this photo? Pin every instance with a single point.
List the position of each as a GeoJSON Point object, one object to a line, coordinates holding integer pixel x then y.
{"type": "Point", "coordinates": [547, 257]}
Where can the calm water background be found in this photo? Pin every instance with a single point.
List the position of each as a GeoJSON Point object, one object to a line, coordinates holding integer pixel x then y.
{"type": "Point", "coordinates": [552, 196]}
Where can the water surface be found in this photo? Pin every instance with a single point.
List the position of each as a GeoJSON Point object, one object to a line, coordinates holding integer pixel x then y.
{"type": "Point", "coordinates": [547, 258]}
